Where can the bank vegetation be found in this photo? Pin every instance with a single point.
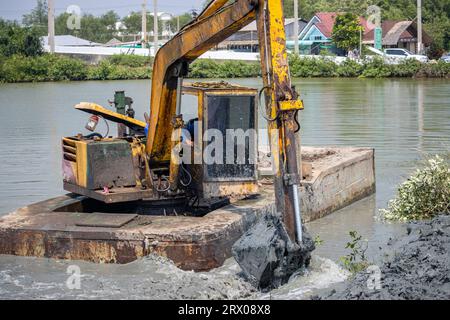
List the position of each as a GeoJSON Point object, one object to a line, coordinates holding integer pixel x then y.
{"type": "Point", "coordinates": [425, 194]}
{"type": "Point", "coordinates": [46, 67]}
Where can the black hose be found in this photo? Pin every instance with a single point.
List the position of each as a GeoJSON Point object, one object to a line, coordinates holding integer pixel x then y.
{"type": "Point", "coordinates": [297, 122]}
{"type": "Point", "coordinates": [92, 135]}
{"type": "Point", "coordinates": [264, 115]}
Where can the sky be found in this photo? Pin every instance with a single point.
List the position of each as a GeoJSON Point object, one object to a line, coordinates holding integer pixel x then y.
{"type": "Point", "coordinates": [14, 10]}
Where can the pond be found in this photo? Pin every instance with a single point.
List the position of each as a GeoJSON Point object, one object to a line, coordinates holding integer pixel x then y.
{"type": "Point", "coordinates": [403, 119]}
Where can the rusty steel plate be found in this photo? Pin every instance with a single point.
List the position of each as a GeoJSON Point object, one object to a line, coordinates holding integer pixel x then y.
{"type": "Point", "coordinates": [105, 220]}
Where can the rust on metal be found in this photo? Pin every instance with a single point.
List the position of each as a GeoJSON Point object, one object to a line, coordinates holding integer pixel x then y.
{"type": "Point", "coordinates": [279, 92]}
{"type": "Point", "coordinates": [216, 85]}
{"type": "Point", "coordinates": [51, 228]}
{"type": "Point", "coordinates": [193, 243]}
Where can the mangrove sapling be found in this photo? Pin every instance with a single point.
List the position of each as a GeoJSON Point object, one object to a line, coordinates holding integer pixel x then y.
{"type": "Point", "coordinates": [318, 241]}
{"type": "Point", "coordinates": [356, 260]}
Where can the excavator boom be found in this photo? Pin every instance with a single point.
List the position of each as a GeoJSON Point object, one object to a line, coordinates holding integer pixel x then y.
{"type": "Point", "coordinates": [218, 21]}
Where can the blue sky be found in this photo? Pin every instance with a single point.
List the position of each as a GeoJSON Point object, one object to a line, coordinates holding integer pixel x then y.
{"type": "Point", "coordinates": [14, 10]}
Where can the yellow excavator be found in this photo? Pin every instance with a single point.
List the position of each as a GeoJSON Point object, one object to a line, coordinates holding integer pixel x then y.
{"type": "Point", "coordinates": [143, 162]}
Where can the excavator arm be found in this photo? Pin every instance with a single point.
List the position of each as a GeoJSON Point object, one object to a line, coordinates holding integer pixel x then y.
{"type": "Point", "coordinates": [218, 21]}
{"type": "Point", "coordinates": [215, 24]}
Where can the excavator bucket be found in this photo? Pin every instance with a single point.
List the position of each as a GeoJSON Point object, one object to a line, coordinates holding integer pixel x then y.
{"type": "Point", "coordinates": [267, 256]}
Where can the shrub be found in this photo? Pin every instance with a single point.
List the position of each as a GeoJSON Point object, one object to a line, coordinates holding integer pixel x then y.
{"type": "Point", "coordinates": [376, 68]}
{"type": "Point", "coordinates": [349, 68]}
{"type": "Point", "coordinates": [25, 69]}
{"type": "Point", "coordinates": [425, 194]}
{"type": "Point", "coordinates": [439, 69]}
{"type": "Point", "coordinates": [12, 69]}
{"type": "Point", "coordinates": [123, 73]}
{"type": "Point", "coordinates": [202, 69]}
{"type": "Point", "coordinates": [406, 68]}
{"type": "Point", "coordinates": [63, 68]}
{"type": "Point", "coordinates": [42, 68]}
{"type": "Point", "coordinates": [312, 67]}
{"type": "Point", "coordinates": [100, 71]}
{"type": "Point", "coordinates": [130, 60]}
{"type": "Point", "coordinates": [46, 67]}
{"type": "Point", "coordinates": [228, 69]}
{"type": "Point", "coordinates": [235, 69]}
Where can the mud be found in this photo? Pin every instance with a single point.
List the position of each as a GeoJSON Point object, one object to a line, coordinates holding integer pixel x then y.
{"type": "Point", "coordinates": [268, 257]}
{"type": "Point", "coordinates": [415, 266]}
{"type": "Point", "coordinates": [215, 85]}
{"type": "Point", "coordinates": [152, 277]}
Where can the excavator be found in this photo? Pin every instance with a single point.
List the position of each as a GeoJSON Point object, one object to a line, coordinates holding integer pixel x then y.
{"type": "Point", "coordinates": [143, 162]}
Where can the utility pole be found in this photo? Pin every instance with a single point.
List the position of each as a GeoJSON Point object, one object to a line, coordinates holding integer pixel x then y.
{"type": "Point", "coordinates": [419, 27]}
{"type": "Point", "coordinates": [360, 42]}
{"type": "Point", "coordinates": [155, 25]}
{"type": "Point", "coordinates": [296, 50]}
{"type": "Point", "coordinates": [178, 23]}
{"type": "Point", "coordinates": [144, 23]}
{"type": "Point", "coordinates": [51, 25]}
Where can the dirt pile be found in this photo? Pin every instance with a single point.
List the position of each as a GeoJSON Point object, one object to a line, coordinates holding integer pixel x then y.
{"type": "Point", "coordinates": [416, 266]}
{"type": "Point", "coordinates": [268, 257]}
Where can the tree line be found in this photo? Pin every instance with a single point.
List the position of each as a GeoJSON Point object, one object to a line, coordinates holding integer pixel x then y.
{"type": "Point", "coordinates": [436, 18]}
{"type": "Point", "coordinates": [100, 28]}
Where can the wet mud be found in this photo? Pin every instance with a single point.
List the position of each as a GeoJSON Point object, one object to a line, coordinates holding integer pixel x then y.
{"type": "Point", "coordinates": [268, 257]}
{"type": "Point", "coordinates": [415, 266]}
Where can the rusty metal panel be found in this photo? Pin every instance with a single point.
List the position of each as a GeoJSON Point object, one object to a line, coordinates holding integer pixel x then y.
{"type": "Point", "coordinates": [109, 164]}
{"type": "Point", "coordinates": [105, 220]}
{"type": "Point", "coordinates": [125, 194]}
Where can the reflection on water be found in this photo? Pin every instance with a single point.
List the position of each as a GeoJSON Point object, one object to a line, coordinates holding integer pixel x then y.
{"type": "Point", "coordinates": [401, 119]}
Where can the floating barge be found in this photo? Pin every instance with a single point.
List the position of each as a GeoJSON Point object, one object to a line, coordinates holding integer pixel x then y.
{"type": "Point", "coordinates": [78, 228]}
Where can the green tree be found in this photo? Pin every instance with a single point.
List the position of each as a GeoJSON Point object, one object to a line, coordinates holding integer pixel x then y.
{"type": "Point", "coordinates": [185, 18]}
{"type": "Point", "coordinates": [18, 40]}
{"type": "Point", "coordinates": [133, 22]}
{"type": "Point", "coordinates": [346, 31]}
{"type": "Point", "coordinates": [96, 29]}
{"type": "Point", "coordinates": [37, 18]}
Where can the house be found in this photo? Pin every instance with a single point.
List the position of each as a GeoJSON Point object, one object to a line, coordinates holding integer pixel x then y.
{"type": "Point", "coordinates": [114, 42]}
{"type": "Point", "coordinates": [69, 41]}
{"type": "Point", "coordinates": [399, 34]}
{"type": "Point", "coordinates": [316, 36]}
{"type": "Point", "coordinates": [289, 27]}
{"type": "Point", "coordinates": [246, 39]}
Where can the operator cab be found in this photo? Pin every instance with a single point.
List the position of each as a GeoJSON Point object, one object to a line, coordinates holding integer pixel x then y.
{"type": "Point", "coordinates": [218, 150]}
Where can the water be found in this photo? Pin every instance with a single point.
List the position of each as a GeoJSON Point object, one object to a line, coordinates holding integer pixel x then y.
{"type": "Point", "coordinates": [402, 119]}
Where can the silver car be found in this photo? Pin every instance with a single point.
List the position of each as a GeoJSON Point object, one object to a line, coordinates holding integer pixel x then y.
{"type": "Point", "coordinates": [400, 54]}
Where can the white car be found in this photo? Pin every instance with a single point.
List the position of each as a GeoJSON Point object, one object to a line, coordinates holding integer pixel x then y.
{"type": "Point", "coordinates": [446, 57]}
{"type": "Point", "coordinates": [400, 54]}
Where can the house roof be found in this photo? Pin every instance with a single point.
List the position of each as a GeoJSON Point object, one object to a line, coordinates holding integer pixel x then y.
{"type": "Point", "coordinates": [288, 21]}
{"type": "Point", "coordinates": [393, 35]}
{"type": "Point", "coordinates": [69, 41]}
{"type": "Point", "coordinates": [394, 31]}
{"type": "Point", "coordinates": [252, 26]}
{"type": "Point", "coordinates": [326, 22]}
{"type": "Point", "coordinates": [113, 42]}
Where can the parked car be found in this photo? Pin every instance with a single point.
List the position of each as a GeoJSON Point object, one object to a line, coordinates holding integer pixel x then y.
{"type": "Point", "coordinates": [446, 57]}
{"type": "Point", "coordinates": [399, 53]}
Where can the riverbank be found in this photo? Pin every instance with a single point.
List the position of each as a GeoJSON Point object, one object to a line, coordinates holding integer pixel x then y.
{"type": "Point", "coordinates": [46, 68]}
{"type": "Point", "coordinates": [415, 266]}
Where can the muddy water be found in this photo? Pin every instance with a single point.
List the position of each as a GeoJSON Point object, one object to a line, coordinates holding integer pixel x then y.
{"type": "Point", "coordinates": [401, 119]}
